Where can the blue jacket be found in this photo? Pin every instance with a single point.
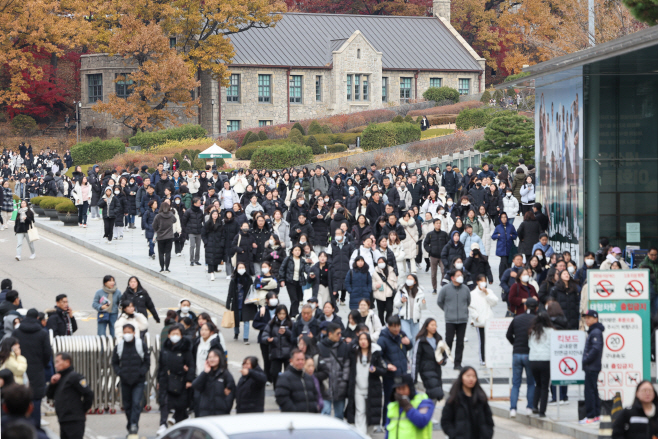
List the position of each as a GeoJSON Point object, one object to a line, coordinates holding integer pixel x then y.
{"type": "Point", "coordinates": [547, 249]}
{"type": "Point", "coordinates": [393, 351]}
{"type": "Point", "coordinates": [116, 299]}
{"type": "Point", "coordinates": [504, 236]}
{"type": "Point", "coordinates": [581, 273]}
{"type": "Point", "coordinates": [145, 202]}
{"type": "Point", "coordinates": [473, 238]}
{"type": "Point", "coordinates": [148, 218]}
{"type": "Point", "coordinates": [507, 281]}
{"type": "Point", "coordinates": [593, 348]}
{"type": "Point", "coordinates": [359, 285]}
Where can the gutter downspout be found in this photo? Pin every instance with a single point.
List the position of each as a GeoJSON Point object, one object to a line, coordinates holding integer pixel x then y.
{"type": "Point", "coordinates": [198, 93]}
{"type": "Point", "coordinates": [288, 93]}
{"type": "Point", "coordinates": [480, 82]}
{"type": "Point", "coordinates": [416, 84]}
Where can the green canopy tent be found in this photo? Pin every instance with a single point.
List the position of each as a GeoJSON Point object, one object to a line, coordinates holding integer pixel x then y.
{"type": "Point", "coordinates": [215, 152]}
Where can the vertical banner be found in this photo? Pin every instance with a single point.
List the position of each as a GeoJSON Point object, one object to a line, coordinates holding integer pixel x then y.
{"type": "Point", "coordinates": [497, 350]}
{"type": "Point", "coordinates": [567, 349]}
{"type": "Point", "coordinates": [559, 161]}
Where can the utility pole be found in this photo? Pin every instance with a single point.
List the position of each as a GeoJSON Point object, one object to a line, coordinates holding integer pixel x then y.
{"type": "Point", "coordinates": [591, 27]}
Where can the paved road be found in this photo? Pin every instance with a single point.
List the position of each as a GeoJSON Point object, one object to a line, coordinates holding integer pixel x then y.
{"type": "Point", "coordinates": [63, 267]}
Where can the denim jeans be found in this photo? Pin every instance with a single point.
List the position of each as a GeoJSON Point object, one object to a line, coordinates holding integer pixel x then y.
{"type": "Point", "coordinates": [339, 408]}
{"type": "Point", "coordinates": [563, 393]}
{"type": "Point", "coordinates": [132, 396]}
{"type": "Point", "coordinates": [410, 328]}
{"type": "Point", "coordinates": [130, 219]}
{"type": "Point", "coordinates": [102, 326]}
{"type": "Point", "coordinates": [519, 363]}
{"type": "Point", "coordinates": [151, 246]}
{"type": "Point", "coordinates": [245, 327]}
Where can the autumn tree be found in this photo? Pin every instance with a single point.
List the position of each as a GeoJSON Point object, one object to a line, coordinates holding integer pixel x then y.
{"type": "Point", "coordinates": [364, 7]}
{"type": "Point", "coordinates": [645, 11]}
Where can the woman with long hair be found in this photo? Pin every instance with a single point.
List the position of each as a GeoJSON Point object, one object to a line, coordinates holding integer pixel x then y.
{"type": "Point", "coordinates": [24, 221]}
{"type": "Point", "coordinates": [408, 304]}
{"type": "Point", "coordinates": [82, 197]}
{"type": "Point", "coordinates": [384, 287]}
{"type": "Point", "coordinates": [639, 421]}
{"type": "Point", "coordinates": [214, 242]}
{"type": "Point", "coordinates": [467, 414]}
{"type": "Point", "coordinates": [237, 292]}
{"type": "Point", "coordinates": [278, 336]}
{"type": "Point", "coordinates": [520, 292]}
{"type": "Point", "coordinates": [539, 342]}
{"type": "Point", "coordinates": [215, 387]}
{"type": "Point", "coordinates": [140, 297]}
{"type": "Point", "coordinates": [250, 392]}
{"type": "Point", "coordinates": [12, 360]}
{"type": "Point", "coordinates": [163, 227]}
{"type": "Point", "coordinates": [430, 354]}
{"type": "Point", "coordinates": [370, 319]}
{"type": "Point", "coordinates": [397, 248]}
{"type": "Point", "coordinates": [480, 310]}
{"type": "Point", "coordinates": [566, 292]}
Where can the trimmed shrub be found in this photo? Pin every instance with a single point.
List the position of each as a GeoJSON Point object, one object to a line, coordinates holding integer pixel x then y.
{"type": "Point", "coordinates": [398, 119]}
{"type": "Point", "coordinates": [511, 93]}
{"type": "Point", "coordinates": [438, 94]}
{"type": "Point", "coordinates": [262, 135]}
{"type": "Point", "coordinates": [408, 119]}
{"type": "Point", "coordinates": [96, 150]}
{"type": "Point", "coordinates": [296, 136]}
{"type": "Point", "coordinates": [248, 138]}
{"type": "Point", "coordinates": [338, 147]}
{"type": "Point", "coordinates": [246, 152]}
{"type": "Point", "coordinates": [298, 126]}
{"type": "Point", "coordinates": [516, 76]}
{"type": "Point", "coordinates": [200, 163]}
{"type": "Point", "coordinates": [315, 128]}
{"type": "Point", "coordinates": [477, 117]}
{"type": "Point", "coordinates": [447, 109]}
{"type": "Point", "coordinates": [498, 94]}
{"type": "Point", "coordinates": [442, 119]}
{"type": "Point", "coordinates": [315, 146]}
{"type": "Point", "coordinates": [184, 166]}
{"type": "Point", "coordinates": [383, 135]}
{"type": "Point", "coordinates": [24, 124]}
{"type": "Point", "coordinates": [326, 129]}
{"type": "Point", "coordinates": [66, 206]}
{"type": "Point", "coordinates": [36, 200]}
{"type": "Point", "coordinates": [486, 97]}
{"type": "Point", "coordinates": [149, 139]}
{"type": "Point", "coordinates": [52, 202]}
{"type": "Point", "coordinates": [228, 145]}
{"type": "Point", "coordinates": [357, 130]}
{"type": "Point", "coordinates": [419, 119]}
{"type": "Point", "coordinates": [281, 156]}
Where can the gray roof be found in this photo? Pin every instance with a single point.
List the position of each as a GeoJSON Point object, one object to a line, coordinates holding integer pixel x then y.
{"type": "Point", "coordinates": [306, 40]}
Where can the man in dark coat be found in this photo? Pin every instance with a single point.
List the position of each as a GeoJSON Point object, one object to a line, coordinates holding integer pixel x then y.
{"type": "Point", "coordinates": [395, 344]}
{"type": "Point", "coordinates": [391, 192]}
{"type": "Point", "coordinates": [592, 365]}
{"type": "Point", "coordinates": [375, 208]}
{"type": "Point", "coordinates": [417, 191]}
{"type": "Point", "coordinates": [340, 252]}
{"type": "Point", "coordinates": [541, 218]}
{"type": "Point", "coordinates": [72, 396]}
{"type": "Point", "coordinates": [192, 223]}
{"type": "Point", "coordinates": [295, 391]}
{"type": "Point", "coordinates": [334, 370]}
{"type": "Point", "coordinates": [392, 225]}
{"type": "Point", "coordinates": [449, 181]}
{"type": "Point", "coordinates": [517, 335]}
{"type": "Point", "coordinates": [131, 363]}
{"type": "Point", "coordinates": [164, 183]}
{"type": "Point", "coordinates": [306, 324]}
{"type": "Point", "coordinates": [433, 244]}
{"type": "Point", "coordinates": [301, 227]}
{"type": "Point", "coordinates": [62, 321]}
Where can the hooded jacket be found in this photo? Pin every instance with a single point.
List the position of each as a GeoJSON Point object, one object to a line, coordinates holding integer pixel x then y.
{"type": "Point", "coordinates": [452, 250]}
{"type": "Point", "coordinates": [163, 225]}
{"type": "Point", "coordinates": [295, 392]}
{"type": "Point", "coordinates": [250, 392]}
{"type": "Point", "coordinates": [333, 369]}
{"type": "Point", "coordinates": [35, 347]}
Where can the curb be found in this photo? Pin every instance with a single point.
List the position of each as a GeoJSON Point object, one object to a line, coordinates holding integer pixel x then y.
{"type": "Point", "coordinates": [45, 226]}
{"type": "Point", "coordinates": [546, 424]}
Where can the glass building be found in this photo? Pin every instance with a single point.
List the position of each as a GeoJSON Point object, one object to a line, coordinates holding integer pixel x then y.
{"type": "Point", "coordinates": [596, 143]}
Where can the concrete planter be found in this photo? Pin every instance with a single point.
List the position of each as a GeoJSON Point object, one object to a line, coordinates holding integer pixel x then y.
{"type": "Point", "coordinates": [69, 219]}
{"type": "Point", "coordinates": [38, 210]}
{"type": "Point", "coordinates": [50, 213]}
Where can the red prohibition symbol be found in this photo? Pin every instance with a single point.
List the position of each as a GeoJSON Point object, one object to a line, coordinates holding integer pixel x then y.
{"type": "Point", "coordinates": [635, 288]}
{"type": "Point", "coordinates": [604, 288]}
{"type": "Point", "coordinates": [568, 366]}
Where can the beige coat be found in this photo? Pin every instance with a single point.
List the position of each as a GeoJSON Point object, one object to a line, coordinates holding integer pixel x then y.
{"type": "Point", "coordinates": [409, 243]}
{"type": "Point", "coordinates": [381, 290]}
{"type": "Point", "coordinates": [17, 365]}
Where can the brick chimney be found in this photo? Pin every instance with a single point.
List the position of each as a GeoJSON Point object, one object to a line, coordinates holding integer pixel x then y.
{"type": "Point", "coordinates": [441, 8]}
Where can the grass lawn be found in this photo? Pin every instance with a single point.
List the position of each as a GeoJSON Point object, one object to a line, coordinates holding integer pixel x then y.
{"type": "Point", "coordinates": [69, 172]}
{"type": "Point", "coordinates": [436, 132]}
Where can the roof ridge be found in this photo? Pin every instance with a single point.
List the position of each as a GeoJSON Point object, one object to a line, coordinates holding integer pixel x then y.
{"type": "Point", "coordinates": [354, 15]}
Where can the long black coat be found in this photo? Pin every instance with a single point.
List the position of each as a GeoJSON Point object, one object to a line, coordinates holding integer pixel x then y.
{"type": "Point", "coordinates": [173, 358]}
{"type": "Point", "coordinates": [35, 347]}
{"type": "Point", "coordinates": [131, 200]}
{"type": "Point", "coordinates": [624, 428]}
{"type": "Point", "coordinates": [339, 264]}
{"type": "Point", "coordinates": [282, 344]}
{"type": "Point", "coordinates": [210, 388]}
{"type": "Point", "coordinates": [243, 249]}
{"type": "Point", "coordinates": [119, 208]}
{"type": "Point", "coordinates": [374, 400]}
{"type": "Point", "coordinates": [250, 394]}
{"type": "Point", "coordinates": [214, 242]}
{"type": "Point", "coordinates": [458, 419]}
{"type": "Point", "coordinates": [320, 227]}
{"type": "Point", "coordinates": [428, 369]}
{"type": "Point", "coordinates": [192, 221]}
{"type": "Point", "coordinates": [248, 310]}
{"type": "Point", "coordinates": [261, 236]}
{"type": "Point", "coordinates": [528, 233]}
{"type": "Point", "coordinates": [569, 300]}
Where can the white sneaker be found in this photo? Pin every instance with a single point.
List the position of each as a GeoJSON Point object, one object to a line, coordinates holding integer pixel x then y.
{"type": "Point", "coordinates": [161, 430]}
{"type": "Point", "coordinates": [33, 255]}
{"type": "Point", "coordinates": [465, 339]}
{"type": "Point", "coordinates": [212, 276]}
{"type": "Point", "coordinates": [170, 421]}
{"type": "Point", "coordinates": [179, 254]}
{"type": "Point", "coordinates": [18, 258]}
{"type": "Point", "coordinates": [228, 277]}
{"type": "Point", "coordinates": [564, 402]}
{"type": "Point", "coordinates": [528, 412]}
{"type": "Point", "coordinates": [512, 413]}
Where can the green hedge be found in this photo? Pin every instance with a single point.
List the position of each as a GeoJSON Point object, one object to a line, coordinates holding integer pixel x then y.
{"type": "Point", "coordinates": [281, 156]}
{"type": "Point", "coordinates": [383, 135]}
{"type": "Point", "coordinates": [478, 117]}
{"type": "Point", "coordinates": [149, 139]}
{"type": "Point", "coordinates": [96, 150]}
{"type": "Point", "coordinates": [438, 94]}
{"type": "Point", "coordinates": [245, 152]}
{"type": "Point", "coordinates": [52, 202]}
{"type": "Point", "coordinates": [66, 207]}
{"type": "Point", "coordinates": [338, 147]}
{"type": "Point", "coordinates": [330, 139]}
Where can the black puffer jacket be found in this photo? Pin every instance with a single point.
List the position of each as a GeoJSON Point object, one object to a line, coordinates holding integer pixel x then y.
{"type": "Point", "coordinates": [212, 400]}
{"type": "Point", "coordinates": [72, 395]}
{"type": "Point", "coordinates": [477, 266]}
{"type": "Point", "coordinates": [275, 256]}
{"type": "Point", "coordinates": [192, 221]}
{"type": "Point", "coordinates": [397, 228]}
{"type": "Point", "coordinates": [261, 236]}
{"type": "Point", "coordinates": [428, 369]}
{"type": "Point", "coordinates": [243, 249]}
{"type": "Point", "coordinates": [452, 250]}
{"type": "Point", "coordinates": [295, 392]}
{"type": "Point", "coordinates": [119, 207]}
{"type": "Point", "coordinates": [435, 242]}
{"type": "Point", "coordinates": [287, 270]}
{"type": "Point", "coordinates": [374, 400]}
{"type": "Point", "coordinates": [142, 301]}
{"type": "Point", "coordinates": [633, 423]}
{"type": "Point", "coordinates": [35, 347]}
{"type": "Point", "coordinates": [305, 229]}
{"type": "Point", "coordinates": [173, 358]}
{"type": "Point", "coordinates": [339, 264]}
{"type": "Point", "coordinates": [130, 367]}
{"type": "Point", "coordinates": [250, 394]}
{"type": "Point", "coordinates": [458, 419]}
{"type": "Point", "coordinates": [213, 242]}
{"type": "Point", "coordinates": [361, 233]}
{"type": "Point", "coordinates": [335, 222]}
{"type": "Point", "coordinates": [528, 233]}
{"type": "Point", "coordinates": [231, 228]}
{"type": "Point", "coordinates": [131, 200]}
{"type": "Point", "coordinates": [569, 300]}
{"type": "Point", "coordinates": [320, 227]}
{"type": "Point", "coordinates": [282, 344]}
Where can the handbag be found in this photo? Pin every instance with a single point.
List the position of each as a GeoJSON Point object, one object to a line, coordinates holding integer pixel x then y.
{"type": "Point", "coordinates": [234, 258]}
{"type": "Point", "coordinates": [103, 317]}
{"type": "Point", "coordinates": [228, 319]}
{"type": "Point", "coordinates": [32, 233]}
{"type": "Point", "coordinates": [252, 296]}
{"type": "Point", "coordinates": [175, 384]}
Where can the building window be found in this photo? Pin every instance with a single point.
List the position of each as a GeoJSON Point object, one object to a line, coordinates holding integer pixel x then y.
{"type": "Point", "coordinates": [318, 88]}
{"type": "Point", "coordinates": [384, 89]}
{"type": "Point", "coordinates": [295, 89]}
{"type": "Point", "coordinates": [405, 89]}
{"type": "Point", "coordinates": [464, 86]}
{"type": "Point", "coordinates": [264, 123]}
{"type": "Point", "coordinates": [349, 87]}
{"type": "Point", "coordinates": [122, 85]}
{"type": "Point", "coordinates": [95, 83]}
{"type": "Point", "coordinates": [232, 125]}
{"type": "Point", "coordinates": [364, 84]}
{"type": "Point", "coordinates": [356, 87]}
{"type": "Point", "coordinates": [435, 82]}
{"type": "Point", "coordinates": [172, 42]}
{"type": "Point", "coordinates": [264, 88]}
{"type": "Point", "coordinates": [193, 94]}
{"type": "Point", "coordinates": [233, 90]}
{"type": "Point", "coordinates": [358, 53]}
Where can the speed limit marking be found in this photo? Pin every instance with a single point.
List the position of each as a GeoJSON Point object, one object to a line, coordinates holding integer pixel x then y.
{"type": "Point", "coordinates": [615, 342]}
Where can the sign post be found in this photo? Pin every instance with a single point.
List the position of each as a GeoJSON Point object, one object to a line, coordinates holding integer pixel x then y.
{"type": "Point", "coordinates": [621, 297]}
{"type": "Point", "coordinates": [498, 350]}
{"type": "Point", "coordinates": [566, 359]}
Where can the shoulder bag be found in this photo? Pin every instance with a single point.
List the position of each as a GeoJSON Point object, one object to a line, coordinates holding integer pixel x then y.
{"type": "Point", "coordinates": [32, 233]}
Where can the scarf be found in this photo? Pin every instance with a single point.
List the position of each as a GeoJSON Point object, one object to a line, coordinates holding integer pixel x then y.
{"type": "Point", "coordinates": [22, 213]}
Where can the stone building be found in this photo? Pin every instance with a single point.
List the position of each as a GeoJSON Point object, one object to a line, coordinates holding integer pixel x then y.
{"type": "Point", "coordinates": [314, 65]}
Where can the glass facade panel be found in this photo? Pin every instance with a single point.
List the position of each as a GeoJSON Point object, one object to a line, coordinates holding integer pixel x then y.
{"type": "Point", "coordinates": [349, 87]}
{"type": "Point", "coordinates": [233, 90]}
{"type": "Point", "coordinates": [95, 84]}
{"type": "Point", "coordinates": [318, 88]}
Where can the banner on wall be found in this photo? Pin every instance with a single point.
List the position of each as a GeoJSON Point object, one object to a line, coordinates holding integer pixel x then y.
{"type": "Point", "coordinates": [559, 161]}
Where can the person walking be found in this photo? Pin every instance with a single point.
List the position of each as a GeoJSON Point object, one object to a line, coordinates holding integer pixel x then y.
{"type": "Point", "coordinates": [528, 233]}
{"type": "Point", "coordinates": [214, 239]}
{"type": "Point", "coordinates": [466, 413]}
{"type": "Point", "coordinates": [358, 283]}
{"type": "Point", "coordinates": [409, 414]}
{"type": "Point", "coordinates": [130, 316]}
{"type": "Point", "coordinates": [364, 398]}
{"type": "Point", "coordinates": [504, 235]}
{"type": "Point", "coordinates": [278, 336]}
{"type": "Point", "coordinates": [517, 335]}
{"type": "Point", "coordinates": [192, 223]}
{"type": "Point", "coordinates": [106, 303]}
{"type": "Point", "coordinates": [409, 304]}
{"type": "Point", "coordinates": [433, 244]}
{"type": "Point", "coordinates": [520, 292]}
{"type": "Point", "coordinates": [566, 292]}
{"type": "Point", "coordinates": [333, 370]}
{"type": "Point", "coordinates": [480, 310]}
{"type": "Point", "coordinates": [265, 315]}
{"type": "Point", "coordinates": [72, 397]}
{"type": "Point", "coordinates": [147, 221]}
{"type": "Point", "coordinates": [163, 227]}
{"type": "Point", "coordinates": [430, 354]}
{"type": "Point", "coordinates": [12, 360]}
{"type": "Point", "coordinates": [240, 285]}
{"type": "Point", "coordinates": [639, 421]}
{"type": "Point", "coordinates": [395, 344]}
{"type": "Point", "coordinates": [292, 275]}
{"type": "Point", "coordinates": [295, 390]}
{"type": "Point", "coordinates": [370, 319]}
{"type": "Point", "coordinates": [592, 366]}
{"type": "Point", "coordinates": [215, 387]}
{"type": "Point", "coordinates": [24, 222]}
{"type": "Point", "coordinates": [454, 299]}
{"type": "Point", "coordinates": [384, 286]}
{"type": "Point", "coordinates": [131, 362]}
{"type": "Point", "coordinates": [140, 298]}
{"type": "Point", "coordinates": [62, 322]}
{"type": "Point", "coordinates": [250, 391]}
{"type": "Point", "coordinates": [539, 342]}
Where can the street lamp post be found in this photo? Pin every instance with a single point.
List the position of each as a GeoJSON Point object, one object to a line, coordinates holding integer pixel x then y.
{"type": "Point", "coordinates": [212, 118]}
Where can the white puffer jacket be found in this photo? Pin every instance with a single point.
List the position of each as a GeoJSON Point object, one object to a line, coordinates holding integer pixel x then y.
{"type": "Point", "coordinates": [374, 325]}
{"type": "Point", "coordinates": [410, 241]}
{"type": "Point", "coordinates": [403, 308]}
{"type": "Point", "coordinates": [398, 251]}
{"type": "Point", "coordinates": [381, 290]}
{"type": "Point", "coordinates": [528, 193]}
{"type": "Point", "coordinates": [480, 309]}
{"type": "Point", "coordinates": [511, 206]}
{"type": "Point", "coordinates": [488, 228]}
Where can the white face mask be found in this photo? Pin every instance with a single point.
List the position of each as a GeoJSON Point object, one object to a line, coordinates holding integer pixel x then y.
{"type": "Point", "coordinates": [449, 203]}
{"type": "Point", "coordinates": [175, 338]}
{"type": "Point", "coordinates": [381, 265]}
{"type": "Point", "coordinates": [273, 302]}
{"type": "Point", "coordinates": [482, 285]}
{"type": "Point", "coordinates": [301, 202]}
{"type": "Point", "coordinates": [177, 201]}
{"type": "Point", "coordinates": [368, 195]}
{"type": "Point", "coordinates": [509, 194]}
{"type": "Point", "coordinates": [272, 242]}
{"type": "Point", "coordinates": [351, 190]}
{"type": "Point", "coordinates": [525, 278]}
{"type": "Point", "coordinates": [241, 271]}
{"type": "Point", "coordinates": [185, 309]}
{"type": "Point", "coordinates": [589, 262]}
{"type": "Point", "coordinates": [296, 187]}
{"type": "Point", "coordinates": [265, 270]}
{"type": "Point", "coordinates": [326, 200]}
{"type": "Point", "coordinates": [128, 337]}
{"type": "Point", "coordinates": [571, 270]}
{"type": "Point", "coordinates": [540, 257]}
{"type": "Point", "coordinates": [459, 279]}
{"type": "Point", "coordinates": [441, 211]}
{"type": "Point", "coordinates": [459, 265]}
{"type": "Point", "coordinates": [17, 325]}
{"type": "Point", "coordinates": [116, 192]}
{"type": "Point", "coordinates": [339, 238]}
{"type": "Point", "coordinates": [409, 282]}
{"type": "Point", "coordinates": [403, 167]}
{"type": "Point", "coordinates": [302, 242]}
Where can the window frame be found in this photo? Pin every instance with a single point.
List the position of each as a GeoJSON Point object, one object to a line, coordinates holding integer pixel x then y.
{"type": "Point", "coordinates": [365, 88]}
{"type": "Point", "coordinates": [318, 88]}
{"type": "Point", "coordinates": [406, 91]}
{"type": "Point", "coordinates": [121, 87]}
{"type": "Point", "coordinates": [229, 125]}
{"type": "Point", "coordinates": [264, 123]}
{"type": "Point", "coordinates": [459, 86]}
{"type": "Point", "coordinates": [172, 42]}
{"type": "Point", "coordinates": [262, 87]}
{"type": "Point", "coordinates": [357, 87]}
{"type": "Point", "coordinates": [385, 88]}
{"type": "Point", "coordinates": [349, 87]}
{"type": "Point", "coordinates": [232, 97]}
{"type": "Point", "coordinates": [436, 79]}
{"type": "Point", "coordinates": [296, 98]}
{"type": "Point", "coordinates": [92, 89]}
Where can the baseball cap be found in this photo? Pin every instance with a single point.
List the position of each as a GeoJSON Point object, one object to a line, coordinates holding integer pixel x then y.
{"type": "Point", "coordinates": [591, 313]}
{"type": "Point", "coordinates": [616, 250]}
{"type": "Point", "coordinates": [475, 245]}
{"type": "Point", "coordinates": [403, 380]}
{"type": "Point", "coordinates": [531, 302]}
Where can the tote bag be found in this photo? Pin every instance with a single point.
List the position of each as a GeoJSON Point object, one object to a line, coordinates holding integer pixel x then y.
{"type": "Point", "coordinates": [32, 233]}
{"type": "Point", "coordinates": [228, 320]}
